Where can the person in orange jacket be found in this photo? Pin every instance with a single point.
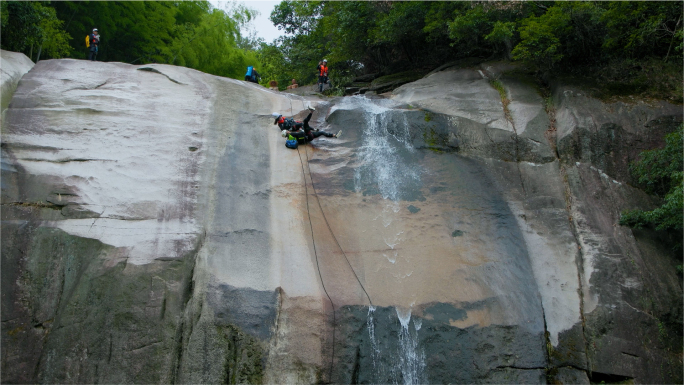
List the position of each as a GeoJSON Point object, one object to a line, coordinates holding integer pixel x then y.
{"type": "Point", "coordinates": [322, 74]}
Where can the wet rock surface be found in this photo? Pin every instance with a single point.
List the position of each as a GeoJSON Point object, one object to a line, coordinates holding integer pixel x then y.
{"type": "Point", "coordinates": [386, 346]}
{"type": "Point", "coordinates": [13, 66]}
{"type": "Point", "coordinates": [156, 229]}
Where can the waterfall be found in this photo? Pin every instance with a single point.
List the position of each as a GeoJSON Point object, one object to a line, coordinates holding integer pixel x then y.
{"type": "Point", "coordinates": [375, 348]}
{"type": "Point", "coordinates": [388, 167]}
{"type": "Point", "coordinates": [405, 364]}
{"type": "Point", "coordinates": [382, 164]}
{"type": "Point", "coordinates": [386, 149]}
{"type": "Point", "coordinates": [411, 363]}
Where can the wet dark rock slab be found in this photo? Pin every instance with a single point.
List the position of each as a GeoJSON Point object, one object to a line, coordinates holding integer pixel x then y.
{"type": "Point", "coordinates": [90, 317]}
{"type": "Point", "coordinates": [251, 310]}
{"type": "Point", "coordinates": [375, 347]}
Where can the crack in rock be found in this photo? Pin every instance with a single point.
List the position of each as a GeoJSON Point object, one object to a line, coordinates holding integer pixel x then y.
{"type": "Point", "coordinates": [66, 160]}
{"type": "Point", "coordinates": [150, 69]}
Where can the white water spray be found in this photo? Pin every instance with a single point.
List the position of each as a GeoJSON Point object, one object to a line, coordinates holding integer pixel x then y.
{"type": "Point", "coordinates": [375, 349]}
{"type": "Point", "coordinates": [387, 168]}
{"type": "Point", "coordinates": [385, 132]}
{"type": "Point", "coordinates": [406, 364]}
{"type": "Point", "coordinates": [411, 363]}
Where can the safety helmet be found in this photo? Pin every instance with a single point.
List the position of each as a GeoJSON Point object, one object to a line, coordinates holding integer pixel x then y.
{"type": "Point", "coordinates": [94, 29]}
{"type": "Point", "coordinates": [283, 134]}
{"type": "Point", "coordinates": [325, 61]}
{"type": "Point", "coordinates": [277, 116]}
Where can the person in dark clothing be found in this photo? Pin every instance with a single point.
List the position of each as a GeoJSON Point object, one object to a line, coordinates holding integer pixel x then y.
{"type": "Point", "coordinates": [303, 137]}
{"type": "Point", "coordinates": [94, 43]}
{"type": "Point", "coordinates": [252, 75]}
{"type": "Point", "coordinates": [291, 124]}
{"type": "Point", "coordinates": [301, 130]}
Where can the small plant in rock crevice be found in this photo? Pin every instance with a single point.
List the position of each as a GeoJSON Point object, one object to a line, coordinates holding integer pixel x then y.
{"type": "Point", "coordinates": [504, 97]}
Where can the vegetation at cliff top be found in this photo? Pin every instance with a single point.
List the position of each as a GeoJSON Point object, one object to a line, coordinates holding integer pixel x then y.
{"type": "Point", "coordinates": [629, 46]}
{"type": "Point", "coordinates": [186, 33]}
{"type": "Point", "coordinates": [659, 172]}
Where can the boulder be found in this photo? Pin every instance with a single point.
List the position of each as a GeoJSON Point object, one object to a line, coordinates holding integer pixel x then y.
{"type": "Point", "coordinates": [13, 66]}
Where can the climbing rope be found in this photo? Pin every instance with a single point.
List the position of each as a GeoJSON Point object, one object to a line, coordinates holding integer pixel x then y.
{"type": "Point", "coordinates": [328, 224]}
{"type": "Point", "coordinates": [313, 240]}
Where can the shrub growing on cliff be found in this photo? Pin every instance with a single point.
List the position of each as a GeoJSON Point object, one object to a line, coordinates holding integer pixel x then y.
{"type": "Point", "coordinates": [659, 171]}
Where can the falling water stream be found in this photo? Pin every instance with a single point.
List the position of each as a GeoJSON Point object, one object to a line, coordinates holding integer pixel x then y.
{"type": "Point", "coordinates": [384, 170]}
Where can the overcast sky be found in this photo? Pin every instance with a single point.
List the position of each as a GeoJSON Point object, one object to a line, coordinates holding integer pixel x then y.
{"type": "Point", "coordinates": [263, 27]}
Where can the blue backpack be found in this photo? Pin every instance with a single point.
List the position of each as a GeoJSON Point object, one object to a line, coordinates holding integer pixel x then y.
{"type": "Point", "coordinates": [291, 143]}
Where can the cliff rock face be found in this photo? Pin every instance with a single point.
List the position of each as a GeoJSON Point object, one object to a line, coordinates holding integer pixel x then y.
{"type": "Point", "coordinates": [156, 229]}
{"type": "Point", "coordinates": [13, 66]}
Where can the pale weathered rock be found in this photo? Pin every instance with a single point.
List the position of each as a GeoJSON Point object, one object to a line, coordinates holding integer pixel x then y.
{"type": "Point", "coordinates": [570, 231]}
{"type": "Point", "coordinates": [156, 229]}
{"type": "Point", "coordinates": [129, 160]}
{"type": "Point", "coordinates": [13, 66]}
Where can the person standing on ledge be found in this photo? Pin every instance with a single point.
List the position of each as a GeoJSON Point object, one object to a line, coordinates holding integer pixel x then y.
{"type": "Point", "coordinates": [252, 75]}
{"type": "Point", "coordinates": [322, 74]}
{"type": "Point", "coordinates": [94, 42]}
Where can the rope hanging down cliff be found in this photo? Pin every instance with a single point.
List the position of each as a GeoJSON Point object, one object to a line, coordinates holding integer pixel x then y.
{"type": "Point", "coordinates": [313, 240]}
{"type": "Point", "coordinates": [330, 229]}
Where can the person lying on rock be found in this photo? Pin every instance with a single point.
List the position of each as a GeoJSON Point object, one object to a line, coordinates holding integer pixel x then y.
{"type": "Point", "coordinates": [300, 130]}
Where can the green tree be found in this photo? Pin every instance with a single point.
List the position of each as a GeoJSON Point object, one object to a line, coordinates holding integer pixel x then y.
{"type": "Point", "coordinates": [571, 32]}
{"type": "Point", "coordinates": [488, 28]}
{"type": "Point", "coordinates": [33, 27]}
{"type": "Point", "coordinates": [642, 28]}
{"type": "Point", "coordinates": [297, 17]}
{"type": "Point", "coordinates": [540, 44]}
{"type": "Point", "coordinates": [273, 65]}
{"type": "Point", "coordinates": [660, 172]}
{"type": "Point", "coordinates": [187, 33]}
{"type": "Point", "coordinates": [212, 47]}
{"type": "Point", "coordinates": [131, 31]}
{"type": "Point", "coordinates": [502, 34]}
{"type": "Point", "coordinates": [347, 26]}
{"type": "Point", "coordinates": [468, 28]}
{"type": "Point", "coordinates": [53, 40]}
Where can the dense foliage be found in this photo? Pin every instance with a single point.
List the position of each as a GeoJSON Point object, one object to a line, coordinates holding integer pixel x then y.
{"type": "Point", "coordinates": [33, 27]}
{"type": "Point", "coordinates": [187, 33]}
{"type": "Point", "coordinates": [659, 172]}
{"type": "Point", "coordinates": [391, 36]}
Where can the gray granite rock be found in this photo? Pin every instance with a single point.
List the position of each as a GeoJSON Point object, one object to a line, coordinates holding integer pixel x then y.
{"type": "Point", "coordinates": [156, 229]}
{"type": "Point", "coordinates": [13, 65]}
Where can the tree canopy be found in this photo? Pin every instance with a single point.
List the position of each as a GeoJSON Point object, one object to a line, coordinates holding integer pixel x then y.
{"type": "Point", "coordinates": [391, 36]}
{"type": "Point", "coordinates": [187, 33]}
{"type": "Point", "coordinates": [356, 37]}
{"type": "Point", "coordinates": [659, 172]}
